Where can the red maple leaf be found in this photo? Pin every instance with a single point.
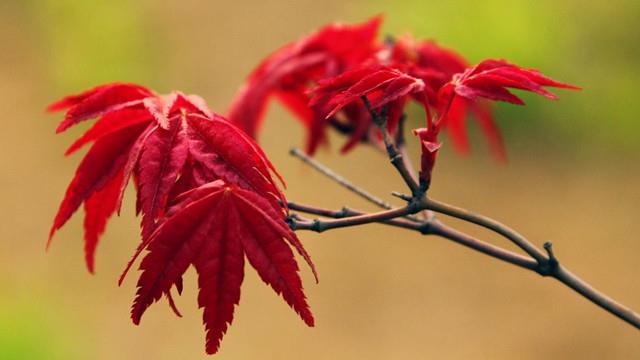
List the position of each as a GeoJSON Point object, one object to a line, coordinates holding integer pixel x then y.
{"type": "Point", "coordinates": [292, 70]}
{"type": "Point", "coordinates": [488, 80]}
{"type": "Point", "coordinates": [383, 87]}
{"type": "Point", "coordinates": [152, 137]}
{"type": "Point", "coordinates": [173, 146]}
{"type": "Point", "coordinates": [436, 66]}
{"type": "Point", "coordinates": [491, 79]}
{"type": "Point", "coordinates": [213, 228]}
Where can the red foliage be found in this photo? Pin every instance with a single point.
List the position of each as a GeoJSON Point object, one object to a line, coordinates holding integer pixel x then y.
{"type": "Point", "coordinates": [382, 86]}
{"type": "Point", "coordinates": [291, 71]}
{"type": "Point", "coordinates": [429, 147]}
{"type": "Point", "coordinates": [213, 227]}
{"type": "Point", "coordinates": [205, 189]}
{"type": "Point", "coordinates": [436, 66]}
{"type": "Point", "coordinates": [322, 66]}
{"type": "Point", "coordinates": [192, 168]}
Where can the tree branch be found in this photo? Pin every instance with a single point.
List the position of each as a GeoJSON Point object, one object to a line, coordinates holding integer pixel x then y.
{"type": "Point", "coordinates": [488, 223]}
{"type": "Point", "coordinates": [545, 265]}
{"type": "Point", "coordinates": [342, 181]}
{"type": "Point", "coordinates": [395, 156]}
{"type": "Point", "coordinates": [344, 213]}
{"type": "Point", "coordinates": [324, 170]}
{"type": "Point", "coordinates": [427, 227]}
{"type": "Point", "coordinates": [318, 225]}
{"type": "Point", "coordinates": [583, 288]}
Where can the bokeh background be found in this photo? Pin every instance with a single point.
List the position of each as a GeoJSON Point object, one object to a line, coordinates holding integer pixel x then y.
{"type": "Point", "coordinates": [573, 177]}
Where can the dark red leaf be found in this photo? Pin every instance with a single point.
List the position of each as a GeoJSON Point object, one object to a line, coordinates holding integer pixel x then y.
{"type": "Point", "coordinates": [161, 160]}
{"type": "Point", "coordinates": [99, 101]}
{"type": "Point", "coordinates": [293, 69]}
{"type": "Point", "coordinates": [101, 164]}
{"type": "Point", "coordinates": [99, 208]}
{"type": "Point", "coordinates": [491, 78]}
{"type": "Point", "coordinates": [108, 124]}
{"type": "Point", "coordinates": [213, 227]}
{"type": "Point", "coordinates": [206, 194]}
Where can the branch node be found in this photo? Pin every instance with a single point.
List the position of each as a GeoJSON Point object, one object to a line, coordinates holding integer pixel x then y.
{"type": "Point", "coordinates": [415, 205]}
{"type": "Point", "coordinates": [426, 228]}
{"type": "Point", "coordinates": [316, 225]}
{"type": "Point", "coordinates": [550, 265]}
{"type": "Point", "coordinates": [291, 221]}
{"type": "Point", "coordinates": [401, 196]}
{"type": "Point", "coordinates": [344, 212]}
{"type": "Point", "coordinates": [396, 159]}
{"type": "Point", "coordinates": [553, 261]}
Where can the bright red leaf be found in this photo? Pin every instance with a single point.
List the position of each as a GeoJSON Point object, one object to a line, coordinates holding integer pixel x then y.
{"type": "Point", "coordinates": [132, 140]}
{"type": "Point", "coordinates": [205, 191]}
{"type": "Point", "coordinates": [436, 66]}
{"type": "Point", "coordinates": [382, 86]}
{"type": "Point", "coordinates": [213, 228]}
{"type": "Point", "coordinates": [491, 79]}
{"type": "Point", "coordinates": [292, 70]}
{"type": "Point", "coordinates": [488, 80]}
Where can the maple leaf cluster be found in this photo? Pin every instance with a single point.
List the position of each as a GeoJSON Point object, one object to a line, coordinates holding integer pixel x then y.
{"type": "Point", "coordinates": [206, 192]}
{"type": "Point", "coordinates": [322, 81]}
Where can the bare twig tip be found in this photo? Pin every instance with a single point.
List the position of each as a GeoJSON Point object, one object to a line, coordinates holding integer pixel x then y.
{"type": "Point", "coordinates": [553, 261]}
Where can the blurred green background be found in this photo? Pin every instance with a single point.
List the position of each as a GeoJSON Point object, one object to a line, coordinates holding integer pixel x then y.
{"type": "Point", "coordinates": [572, 178]}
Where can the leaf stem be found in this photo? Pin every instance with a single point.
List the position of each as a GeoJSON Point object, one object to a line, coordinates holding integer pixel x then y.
{"type": "Point", "coordinates": [342, 181]}
{"type": "Point", "coordinates": [395, 156]}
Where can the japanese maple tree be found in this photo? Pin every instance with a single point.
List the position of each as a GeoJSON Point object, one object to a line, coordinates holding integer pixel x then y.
{"type": "Point", "coordinates": [208, 196]}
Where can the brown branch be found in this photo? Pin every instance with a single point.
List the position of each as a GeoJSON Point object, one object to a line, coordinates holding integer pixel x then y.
{"type": "Point", "coordinates": [346, 212]}
{"type": "Point", "coordinates": [318, 225]}
{"type": "Point", "coordinates": [488, 223]}
{"type": "Point", "coordinates": [583, 288]}
{"type": "Point", "coordinates": [326, 171]}
{"type": "Point", "coordinates": [425, 227]}
{"type": "Point", "coordinates": [437, 228]}
{"type": "Point", "coordinates": [395, 156]}
{"type": "Point", "coordinates": [342, 181]}
{"type": "Point", "coordinates": [545, 265]}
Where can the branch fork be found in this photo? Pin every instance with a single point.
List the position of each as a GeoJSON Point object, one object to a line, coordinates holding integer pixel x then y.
{"type": "Point", "coordinates": [409, 217]}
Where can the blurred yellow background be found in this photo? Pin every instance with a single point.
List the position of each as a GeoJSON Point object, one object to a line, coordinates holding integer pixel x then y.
{"type": "Point", "coordinates": [572, 178]}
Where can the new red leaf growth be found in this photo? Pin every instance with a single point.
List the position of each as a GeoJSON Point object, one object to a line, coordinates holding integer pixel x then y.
{"type": "Point", "coordinates": [205, 191]}
{"type": "Point", "coordinates": [289, 73]}
{"type": "Point", "coordinates": [331, 74]}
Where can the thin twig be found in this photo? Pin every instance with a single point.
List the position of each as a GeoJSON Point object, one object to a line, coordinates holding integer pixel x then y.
{"type": "Point", "coordinates": [425, 228]}
{"type": "Point", "coordinates": [324, 170]}
{"type": "Point", "coordinates": [318, 225]}
{"type": "Point", "coordinates": [488, 223]}
{"type": "Point", "coordinates": [583, 288]}
{"type": "Point", "coordinates": [401, 144]}
{"type": "Point", "coordinates": [346, 212]}
{"type": "Point", "coordinates": [342, 181]}
{"type": "Point", "coordinates": [395, 156]}
{"type": "Point", "coordinates": [544, 266]}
